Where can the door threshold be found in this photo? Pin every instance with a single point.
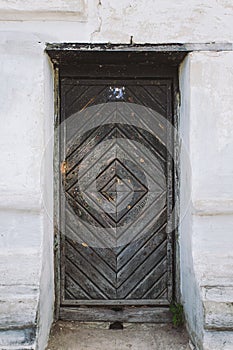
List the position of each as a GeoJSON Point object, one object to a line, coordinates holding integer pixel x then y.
{"type": "Point", "coordinates": [129, 314]}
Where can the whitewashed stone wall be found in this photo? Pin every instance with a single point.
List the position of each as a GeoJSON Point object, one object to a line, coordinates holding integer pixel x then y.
{"type": "Point", "coordinates": [206, 230]}
{"type": "Point", "coordinates": [211, 153]}
{"type": "Point", "coordinates": [26, 125]}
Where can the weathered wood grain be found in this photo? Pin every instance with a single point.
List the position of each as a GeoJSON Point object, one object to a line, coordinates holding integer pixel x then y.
{"type": "Point", "coordinates": [116, 249]}
{"type": "Point", "coordinates": [128, 314]}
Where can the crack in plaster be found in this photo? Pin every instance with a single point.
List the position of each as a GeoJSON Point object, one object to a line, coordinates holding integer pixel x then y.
{"type": "Point", "coordinates": [100, 20]}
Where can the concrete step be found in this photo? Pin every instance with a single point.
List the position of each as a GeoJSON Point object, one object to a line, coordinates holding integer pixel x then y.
{"type": "Point", "coordinates": [218, 308]}
{"type": "Point", "coordinates": [17, 339]}
{"type": "Point", "coordinates": [97, 336]}
{"type": "Point", "coordinates": [220, 340]}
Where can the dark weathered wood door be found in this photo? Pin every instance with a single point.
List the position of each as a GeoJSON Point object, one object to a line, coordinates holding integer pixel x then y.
{"type": "Point", "coordinates": [116, 195]}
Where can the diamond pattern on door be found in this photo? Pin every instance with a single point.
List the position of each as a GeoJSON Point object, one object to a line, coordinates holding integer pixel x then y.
{"type": "Point", "coordinates": [115, 244]}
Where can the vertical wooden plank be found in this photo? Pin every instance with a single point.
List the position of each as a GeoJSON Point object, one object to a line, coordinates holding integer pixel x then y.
{"type": "Point", "coordinates": [170, 193]}
{"type": "Point", "coordinates": [57, 192]}
{"type": "Point", "coordinates": [177, 141]}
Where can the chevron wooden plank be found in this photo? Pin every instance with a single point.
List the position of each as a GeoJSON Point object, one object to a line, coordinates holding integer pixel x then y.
{"type": "Point", "coordinates": [142, 159]}
{"type": "Point", "coordinates": [95, 260]}
{"type": "Point", "coordinates": [73, 291]}
{"type": "Point", "coordinates": [88, 215]}
{"type": "Point", "coordinates": [155, 291]}
{"type": "Point", "coordinates": [85, 283]}
{"type": "Point", "coordinates": [154, 275]}
{"type": "Point", "coordinates": [143, 215]}
{"type": "Point", "coordinates": [152, 121]}
{"type": "Point", "coordinates": [87, 98]}
{"type": "Point", "coordinates": [73, 95]}
{"type": "Point", "coordinates": [152, 143]}
{"type": "Point", "coordinates": [107, 153]}
{"type": "Point", "coordinates": [84, 268]}
{"type": "Point", "coordinates": [154, 227]}
{"type": "Point", "coordinates": [158, 93]}
{"type": "Point", "coordinates": [92, 235]}
{"type": "Point", "coordinates": [139, 256]}
{"type": "Point", "coordinates": [139, 95]}
{"type": "Point", "coordinates": [133, 281]}
{"type": "Point", "coordinates": [85, 147]}
{"type": "Point", "coordinates": [83, 123]}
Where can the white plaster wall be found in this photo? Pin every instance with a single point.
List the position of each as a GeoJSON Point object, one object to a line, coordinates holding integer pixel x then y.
{"type": "Point", "coordinates": [211, 154]}
{"type": "Point", "coordinates": [40, 10]}
{"type": "Point", "coordinates": [26, 223]}
{"type": "Point", "coordinates": [153, 21]}
{"type": "Point", "coordinates": [211, 151]}
{"type": "Point", "coordinates": [46, 301]}
{"type": "Point", "coordinates": [21, 138]}
{"type": "Point", "coordinates": [212, 125]}
{"type": "Point", "coordinates": [26, 241]}
{"type": "Point", "coordinates": [166, 21]}
{"type": "Point", "coordinates": [190, 293]}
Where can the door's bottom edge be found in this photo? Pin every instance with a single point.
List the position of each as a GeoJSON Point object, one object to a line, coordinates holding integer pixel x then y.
{"type": "Point", "coordinates": [145, 314]}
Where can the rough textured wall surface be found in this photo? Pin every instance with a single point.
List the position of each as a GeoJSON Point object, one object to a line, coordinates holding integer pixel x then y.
{"type": "Point", "coordinates": [26, 236]}
{"type": "Point", "coordinates": [211, 149]}
{"type": "Point", "coordinates": [206, 227]}
{"type": "Point", "coordinates": [150, 21]}
{"type": "Point", "coordinates": [20, 201]}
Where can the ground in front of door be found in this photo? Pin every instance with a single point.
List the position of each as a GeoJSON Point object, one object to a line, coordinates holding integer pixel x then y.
{"type": "Point", "coordinates": [97, 336]}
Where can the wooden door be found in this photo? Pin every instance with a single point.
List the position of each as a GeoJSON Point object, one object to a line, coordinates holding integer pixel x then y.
{"type": "Point", "coordinates": [116, 192]}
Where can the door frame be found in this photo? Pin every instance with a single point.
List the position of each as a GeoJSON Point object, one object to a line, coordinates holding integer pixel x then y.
{"type": "Point", "coordinates": [168, 64]}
